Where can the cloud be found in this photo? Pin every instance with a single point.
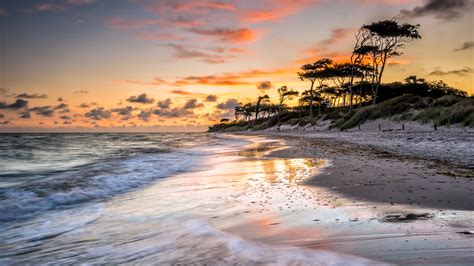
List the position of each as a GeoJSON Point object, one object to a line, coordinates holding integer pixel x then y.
{"type": "Point", "coordinates": [465, 46]}
{"type": "Point", "coordinates": [188, 6]}
{"type": "Point", "coordinates": [123, 111]}
{"type": "Point", "coordinates": [3, 12]}
{"type": "Point", "coordinates": [80, 2]}
{"type": "Point", "coordinates": [18, 104]}
{"type": "Point", "coordinates": [181, 92]}
{"type": "Point", "coordinates": [4, 122]}
{"type": "Point", "coordinates": [264, 85]}
{"type": "Point", "coordinates": [275, 10]}
{"type": "Point", "coordinates": [165, 104]}
{"type": "Point", "coordinates": [211, 98]}
{"type": "Point", "coordinates": [440, 9]}
{"type": "Point", "coordinates": [192, 104]}
{"type": "Point", "coordinates": [228, 105]}
{"type": "Point", "coordinates": [182, 52]}
{"type": "Point", "coordinates": [175, 112]}
{"type": "Point", "coordinates": [142, 98]}
{"type": "Point", "coordinates": [145, 115]}
{"type": "Point", "coordinates": [230, 79]}
{"type": "Point", "coordinates": [65, 117]}
{"type": "Point", "coordinates": [81, 91]}
{"type": "Point", "coordinates": [47, 110]}
{"type": "Point", "coordinates": [337, 35]}
{"type": "Point", "coordinates": [84, 105]}
{"type": "Point", "coordinates": [2, 116]}
{"type": "Point", "coordinates": [62, 107]}
{"type": "Point", "coordinates": [98, 113]}
{"type": "Point", "coordinates": [239, 35]}
{"type": "Point", "coordinates": [159, 36]}
{"type": "Point", "coordinates": [25, 114]}
{"type": "Point", "coordinates": [61, 7]}
{"type": "Point", "coordinates": [156, 81]}
{"type": "Point", "coordinates": [459, 72]}
{"type": "Point", "coordinates": [31, 96]}
{"type": "Point", "coordinates": [124, 24]}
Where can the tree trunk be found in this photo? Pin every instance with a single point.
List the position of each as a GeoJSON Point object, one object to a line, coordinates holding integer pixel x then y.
{"type": "Point", "coordinates": [311, 101]}
{"type": "Point", "coordinates": [350, 87]}
{"type": "Point", "coordinates": [379, 81]}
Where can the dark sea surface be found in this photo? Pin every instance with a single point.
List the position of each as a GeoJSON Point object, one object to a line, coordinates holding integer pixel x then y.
{"type": "Point", "coordinates": [40, 172]}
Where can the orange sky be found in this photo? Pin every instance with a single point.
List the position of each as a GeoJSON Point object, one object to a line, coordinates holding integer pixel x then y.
{"type": "Point", "coordinates": [169, 65]}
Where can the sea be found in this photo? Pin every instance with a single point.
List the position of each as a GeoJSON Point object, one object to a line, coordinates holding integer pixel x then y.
{"type": "Point", "coordinates": [137, 198]}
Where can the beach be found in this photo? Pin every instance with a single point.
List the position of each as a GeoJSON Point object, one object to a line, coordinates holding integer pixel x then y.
{"type": "Point", "coordinates": [251, 199]}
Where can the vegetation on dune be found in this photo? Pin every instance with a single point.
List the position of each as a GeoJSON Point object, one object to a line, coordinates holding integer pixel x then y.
{"type": "Point", "coordinates": [351, 93]}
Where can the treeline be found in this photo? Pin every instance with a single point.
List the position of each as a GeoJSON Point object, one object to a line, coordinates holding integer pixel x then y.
{"type": "Point", "coordinates": [353, 84]}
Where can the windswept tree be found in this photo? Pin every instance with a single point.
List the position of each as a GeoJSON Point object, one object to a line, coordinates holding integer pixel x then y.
{"type": "Point", "coordinates": [390, 37]}
{"type": "Point", "coordinates": [414, 80]}
{"type": "Point", "coordinates": [340, 73]}
{"type": "Point", "coordinates": [284, 94]}
{"type": "Point", "coordinates": [260, 100]}
{"type": "Point", "coordinates": [316, 71]}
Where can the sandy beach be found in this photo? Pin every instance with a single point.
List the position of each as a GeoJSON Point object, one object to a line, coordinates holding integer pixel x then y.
{"type": "Point", "coordinates": [373, 203]}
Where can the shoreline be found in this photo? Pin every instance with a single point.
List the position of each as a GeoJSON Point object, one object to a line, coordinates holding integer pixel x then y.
{"type": "Point", "coordinates": [370, 173]}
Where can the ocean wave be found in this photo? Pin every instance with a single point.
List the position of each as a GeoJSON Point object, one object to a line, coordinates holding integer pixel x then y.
{"type": "Point", "coordinates": [92, 182]}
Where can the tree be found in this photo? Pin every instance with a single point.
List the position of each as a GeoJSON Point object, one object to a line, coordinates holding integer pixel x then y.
{"type": "Point", "coordinates": [260, 100]}
{"type": "Point", "coordinates": [316, 71]}
{"type": "Point", "coordinates": [414, 80]}
{"type": "Point", "coordinates": [339, 74]}
{"type": "Point", "coordinates": [390, 37]}
{"type": "Point", "coordinates": [284, 94]}
{"type": "Point", "coordinates": [357, 58]}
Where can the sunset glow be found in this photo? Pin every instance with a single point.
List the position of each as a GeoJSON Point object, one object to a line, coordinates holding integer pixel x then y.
{"type": "Point", "coordinates": [144, 65]}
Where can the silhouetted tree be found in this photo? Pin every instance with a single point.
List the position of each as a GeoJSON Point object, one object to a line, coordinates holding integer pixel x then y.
{"type": "Point", "coordinates": [316, 71]}
{"type": "Point", "coordinates": [260, 100]}
{"type": "Point", "coordinates": [389, 36]}
{"type": "Point", "coordinates": [284, 94]}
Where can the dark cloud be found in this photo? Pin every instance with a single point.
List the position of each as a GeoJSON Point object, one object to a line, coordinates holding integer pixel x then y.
{"type": "Point", "coordinates": [465, 46]}
{"type": "Point", "coordinates": [459, 72]}
{"type": "Point", "coordinates": [81, 91]}
{"type": "Point", "coordinates": [47, 111]}
{"type": "Point", "coordinates": [165, 104]}
{"type": "Point", "coordinates": [25, 114]}
{"type": "Point", "coordinates": [2, 115]}
{"type": "Point", "coordinates": [4, 122]}
{"type": "Point", "coordinates": [63, 108]}
{"type": "Point", "coordinates": [65, 117]}
{"type": "Point", "coordinates": [175, 112]}
{"type": "Point", "coordinates": [142, 98]}
{"type": "Point", "coordinates": [228, 105]}
{"type": "Point", "coordinates": [441, 9]}
{"type": "Point", "coordinates": [18, 104]}
{"type": "Point", "coordinates": [145, 115]}
{"type": "Point", "coordinates": [67, 122]}
{"type": "Point", "coordinates": [193, 104]}
{"type": "Point", "coordinates": [98, 113]}
{"type": "Point", "coordinates": [84, 105]}
{"type": "Point", "coordinates": [60, 99]}
{"type": "Point", "coordinates": [211, 98]}
{"type": "Point", "coordinates": [264, 85]}
{"type": "Point", "coordinates": [31, 96]}
{"type": "Point", "coordinates": [124, 111]}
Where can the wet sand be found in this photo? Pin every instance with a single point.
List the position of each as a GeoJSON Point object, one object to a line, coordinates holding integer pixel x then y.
{"type": "Point", "coordinates": [363, 202]}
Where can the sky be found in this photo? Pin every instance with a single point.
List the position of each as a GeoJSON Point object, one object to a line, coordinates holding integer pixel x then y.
{"type": "Point", "coordinates": [169, 65]}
